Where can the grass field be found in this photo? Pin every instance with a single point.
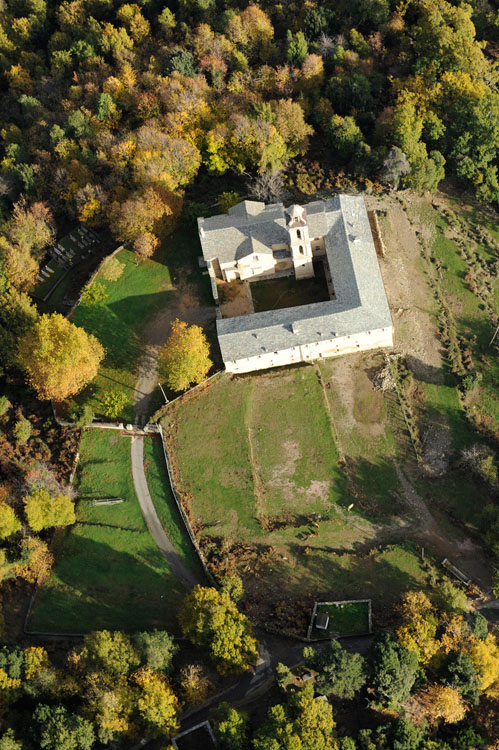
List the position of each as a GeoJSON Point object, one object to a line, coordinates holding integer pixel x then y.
{"type": "Point", "coordinates": [474, 320]}
{"type": "Point", "coordinates": [346, 618]}
{"type": "Point", "coordinates": [260, 465]}
{"type": "Point", "coordinates": [109, 572]}
{"type": "Point", "coordinates": [132, 299]}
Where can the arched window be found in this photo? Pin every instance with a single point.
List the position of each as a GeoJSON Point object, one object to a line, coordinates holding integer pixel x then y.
{"type": "Point", "coordinates": [301, 250]}
{"type": "Point", "coordinates": [298, 234]}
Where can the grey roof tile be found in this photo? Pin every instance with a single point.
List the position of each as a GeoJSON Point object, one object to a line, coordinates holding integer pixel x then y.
{"type": "Point", "coordinates": [360, 304]}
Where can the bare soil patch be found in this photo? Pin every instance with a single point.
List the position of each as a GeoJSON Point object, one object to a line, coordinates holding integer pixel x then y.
{"type": "Point", "coordinates": [409, 294]}
{"type": "Point", "coordinates": [185, 306]}
{"type": "Point", "coordinates": [235, 298]}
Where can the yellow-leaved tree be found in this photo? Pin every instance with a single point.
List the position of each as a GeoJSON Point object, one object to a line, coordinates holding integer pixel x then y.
{"type": "Point", "coordinates": [212, 620]}
{"type": "Point", "coordinates": [185, 358]}
{"type": "Point", "coordinates": [59, 357]}
{"type": "Point", "coordinates": [442, 702]}
{"type": "Point", "coordinates": [44, 510]}
{"type": "Point", "coordinates": [485, 657]}
{"type": "Point", "coordinates": [157, 704]}
{"type": "Point", "coordinates": [9, 523]}
{"type": "Point", "coordinates": [418, 631]}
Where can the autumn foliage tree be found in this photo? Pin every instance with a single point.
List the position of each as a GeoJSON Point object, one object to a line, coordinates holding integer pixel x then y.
{"type": "Point", "coordinates": [210, 619]}
{"type": "Point", "coordinates": [44, 510]}
{"type": "Point", "coordinates": [185, 356]}
{"type": "Point", "coordinates": [442, 702]}
{"type": "Point", "coordinates": [9, 523]}
{"type": "Point", "coordinates": [59, 357]}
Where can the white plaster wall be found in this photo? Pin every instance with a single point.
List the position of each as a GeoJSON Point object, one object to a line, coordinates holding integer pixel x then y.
{"type": "Point", "coordinates": [380, 338]}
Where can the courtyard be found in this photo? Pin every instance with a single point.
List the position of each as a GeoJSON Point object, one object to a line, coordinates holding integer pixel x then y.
{"type": "Point", "coordinates": [287, 291]}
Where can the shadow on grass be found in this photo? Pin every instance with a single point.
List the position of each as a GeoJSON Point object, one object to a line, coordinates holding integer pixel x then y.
{"type": "Point", "coordinates": [382, 574]}
{"type": "Point", "coordinates": [115, 325]}
{"type": "Point", "coordinates": [95, 586]}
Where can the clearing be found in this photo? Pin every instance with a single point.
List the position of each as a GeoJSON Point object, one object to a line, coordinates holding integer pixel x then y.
{"type": "Point", "coordinates": [108, 571]}
{"type": "Point", "coordinates": [133, 322]}
{"type": "Point", "coordinates": [305, 479]}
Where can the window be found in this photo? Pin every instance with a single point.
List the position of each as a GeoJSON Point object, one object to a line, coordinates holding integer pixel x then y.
{"type": "Point", "coordinates": [301, 250]}
{"type": "Point", "coordinates": [298, 234]}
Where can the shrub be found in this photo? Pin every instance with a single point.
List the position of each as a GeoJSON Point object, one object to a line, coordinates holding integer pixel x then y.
{"type": "Point", "coordinates": [114, 401]}
{"type": "Point", "coordinates": [94, 294]}
{"type": "Point", "coordinates": [83, 416]}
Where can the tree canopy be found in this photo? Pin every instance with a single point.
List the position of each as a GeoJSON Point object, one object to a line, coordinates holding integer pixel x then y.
{"type": "Point", "coordinates": [211, 619]}
{"type": "Point", "coordinates": [185, 357]}
{"type": "Point", "coordinates": [59, 357]}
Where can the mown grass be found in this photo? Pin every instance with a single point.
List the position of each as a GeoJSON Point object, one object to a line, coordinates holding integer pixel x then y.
{"type": "Point", "coordinates": [164, 502]}
{"type": "Point", "coordinates": [131, 300]}
{"type": "Point", "coordinates": [346, 619]}
{"type": "Point", "coordinates": [108, 571]}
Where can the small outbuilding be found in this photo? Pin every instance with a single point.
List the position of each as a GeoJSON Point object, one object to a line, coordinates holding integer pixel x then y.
{"type": "Point", "coordinates": [322, 620]}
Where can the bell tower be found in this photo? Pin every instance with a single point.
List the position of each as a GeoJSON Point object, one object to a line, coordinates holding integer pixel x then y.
{"type": "Point", "coordinates": [299, 242]}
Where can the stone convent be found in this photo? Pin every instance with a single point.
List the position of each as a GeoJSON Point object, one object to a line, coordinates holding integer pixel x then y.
{"type": "Point", "coordinates": [254, 242]}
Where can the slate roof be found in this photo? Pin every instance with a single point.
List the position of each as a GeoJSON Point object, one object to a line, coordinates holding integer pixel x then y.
{"type": "Point", "coordinates": [360, 305]}
{"type": "Point", "coordinates": [228, 236]}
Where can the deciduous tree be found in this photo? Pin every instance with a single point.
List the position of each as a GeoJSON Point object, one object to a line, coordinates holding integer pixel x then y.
{"type": "Point", "coordinates": [157, 704]}
{"type": "Point", "coordinates": [211, 619]}
{"type": "Point", "coordinates": [9, 523]}
{"type": "Point", "coordinates": [157, 650]}
{"type": "Point", "coordinates": [44, 510]}
{"type": "Point", "coordinates": [185, 356]}
{"type": "Point", "coordinates": [112, 652]}
{"type": "Point", "coordinates": [442, 702]}
{"type": "Point", "coordinates": [59, 357]}
{"type": "Point", "coordinates": [55, 728]}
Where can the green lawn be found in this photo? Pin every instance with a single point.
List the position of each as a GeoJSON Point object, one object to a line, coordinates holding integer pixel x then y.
{"type": "Point", "coordinates": [164, 502]}
{"type": "Point", "coordinates": [108, 571]}
{"type": "Point", "coordinates": [140, 291]}
{"type": "Point", "coordinates": [350, 618]}
{"type": "Point", "coordinates": [260, 466]}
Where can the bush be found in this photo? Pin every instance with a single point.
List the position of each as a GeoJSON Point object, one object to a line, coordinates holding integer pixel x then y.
{"type": "Point", "coordinates": [94, 294]}
{"type": "Point", "coordinates": [83, 416]}
{"type": "Point", "coordinates": [114, 401]}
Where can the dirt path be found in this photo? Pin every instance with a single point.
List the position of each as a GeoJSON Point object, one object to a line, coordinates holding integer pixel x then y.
{"type": "Point", "coordinates": [185, 306]}
{"type": "Point", "coordinates": [175, 562]}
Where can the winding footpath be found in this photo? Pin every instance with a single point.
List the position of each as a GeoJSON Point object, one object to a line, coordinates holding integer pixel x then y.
{"type": "Point", "coordinates": [175, 562]}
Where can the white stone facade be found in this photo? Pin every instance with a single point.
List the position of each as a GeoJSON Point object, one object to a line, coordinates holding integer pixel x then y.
{"type": "Point", "coordinates": [380, 339]}
{"type": "Point", "coordinates": [255, 241]}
